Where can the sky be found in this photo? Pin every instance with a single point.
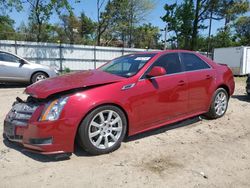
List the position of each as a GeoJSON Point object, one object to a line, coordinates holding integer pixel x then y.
{"type": "Point", "coordinates": [89, 8]}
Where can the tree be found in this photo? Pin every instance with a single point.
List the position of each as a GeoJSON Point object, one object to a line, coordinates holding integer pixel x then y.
{"type": "Point", "coordinates": [212, 9]}
{"type": "Point", "coordinates": [147, 36]}
{"type": "Point", "coordinates": [200, 15]}
{"type": "Point", "coordinates": [242, 29]}
{"type": "Point", "coordinates": [6, 28]}
{"type": "Point", "coordinates": [70, 25]}
{"type": "Point", "coordinates": [185, 20]}
{"type": "Point", "coordinates": [121, 16]}
{"type": "Point", "coordinates": [223, 39]}
{"type": "Point", "coordinates": [87, 27]}
{"type": "Point", "coordinates": [180, 21]}
{"type": "Point", "coordinates": [8, 5]}
{"type": "Point", "coordinates": [102, 19]}
{"type": "Point", "coordinates": [6, 23]}
{"type": "Point", "coordinates": [41, 11]}
{"type": "Point", "coordinates": [76, 29]}
{"type": "Point", "coordinates": [137, 10]}
{"type": "Point", "coordinates": [186, 15]}
{"type": "Point", "coordinates": [230, 9]}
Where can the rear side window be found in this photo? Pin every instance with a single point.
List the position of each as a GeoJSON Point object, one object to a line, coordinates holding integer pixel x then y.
{"type": "Point", "coordinates": [170, 62]}
{"type": "Point", "coordinates": [191, 62]}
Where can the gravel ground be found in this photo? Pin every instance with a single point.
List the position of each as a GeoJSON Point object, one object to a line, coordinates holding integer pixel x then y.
{"type": "Point", "coordinates": [192, 153]}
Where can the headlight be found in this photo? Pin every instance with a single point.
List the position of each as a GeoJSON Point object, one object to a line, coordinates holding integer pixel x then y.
{"type": "Point", "coordinates": [53, 109]}
{"type": "Point", "coordinates": [56, 71]}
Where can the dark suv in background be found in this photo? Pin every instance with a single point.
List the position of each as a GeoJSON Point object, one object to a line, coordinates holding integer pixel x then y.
{"type": "Point", "coordinates": [248, 85]}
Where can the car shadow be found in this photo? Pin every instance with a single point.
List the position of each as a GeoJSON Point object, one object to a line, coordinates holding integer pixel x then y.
{"type": "Point", "coordinates": [12, 85]}
{"type": "Point", "coordinates": [81, 153]}
{"type": "Point", "coordinates": [165, 128]}
{"type": "Point", "coordinates": [244, 98]}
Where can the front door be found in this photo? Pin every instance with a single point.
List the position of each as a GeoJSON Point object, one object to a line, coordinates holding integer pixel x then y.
{"type": "Point", "coordinates": [161, 98]}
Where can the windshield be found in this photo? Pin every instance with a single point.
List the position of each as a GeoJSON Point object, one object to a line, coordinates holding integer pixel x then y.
{"type": "Point", "coordinates": [127, 66]}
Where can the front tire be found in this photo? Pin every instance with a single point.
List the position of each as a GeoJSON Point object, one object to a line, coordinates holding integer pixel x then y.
{"type": "Point", "coordinates": [219, 104]}
{"type": "Point", "coordinates": [39, 76]}
{"type": "Point", "coordinates": [102, 130]}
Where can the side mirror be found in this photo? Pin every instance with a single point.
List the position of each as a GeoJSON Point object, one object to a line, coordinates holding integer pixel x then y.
{"type": "Point", "coordinates": [156, 71]}
{"type": "Point", "coordinates": [22, 62]}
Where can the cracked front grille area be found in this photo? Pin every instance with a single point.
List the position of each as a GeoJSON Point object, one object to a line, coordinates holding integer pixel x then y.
{"type": "Point", "coordinates": [21, 113]}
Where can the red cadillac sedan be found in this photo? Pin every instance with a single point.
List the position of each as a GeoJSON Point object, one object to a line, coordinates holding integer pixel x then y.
{"type": "Point", "coordinates": [128, 95]}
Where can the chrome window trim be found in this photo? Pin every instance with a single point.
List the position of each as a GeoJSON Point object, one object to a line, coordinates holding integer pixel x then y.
{"type": "Point", "coordinates": [184, 71]}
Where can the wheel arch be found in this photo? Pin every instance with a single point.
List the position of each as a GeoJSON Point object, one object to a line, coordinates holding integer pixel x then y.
{"type": "Point", "coordinates": [100, 105]}
{"type": "Point", "coordinates": [224, 86]}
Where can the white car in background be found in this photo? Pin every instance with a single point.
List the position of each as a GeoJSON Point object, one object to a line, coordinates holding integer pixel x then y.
{"type": "Point", "coordinates": [16, 69]}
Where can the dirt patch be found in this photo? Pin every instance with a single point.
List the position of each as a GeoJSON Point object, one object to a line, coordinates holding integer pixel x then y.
{"type": "Point", "coordinates": [161, 164]}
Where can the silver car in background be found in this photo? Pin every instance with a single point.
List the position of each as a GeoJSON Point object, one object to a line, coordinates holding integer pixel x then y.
{"type": "Point", "coordinates": [16, 69]}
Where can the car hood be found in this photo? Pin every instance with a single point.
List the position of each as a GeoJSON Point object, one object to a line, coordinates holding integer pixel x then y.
{"type": "Point", "coordinates": [37, 65]}
{"type": "Point", "coordinates": [79, 80]}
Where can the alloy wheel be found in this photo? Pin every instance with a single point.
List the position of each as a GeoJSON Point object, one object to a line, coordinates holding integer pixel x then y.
{"type": "Point", "coordinates": [105, 129]}
{"type": "Point", "coordinates": [221, 103]}
{"type": "Point", "coordinates": [40, 77]}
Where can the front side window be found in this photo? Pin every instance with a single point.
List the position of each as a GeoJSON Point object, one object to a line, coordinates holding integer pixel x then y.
{"type": "Point", "coordinates": [191, 62]}
{"type": "Point", "coordinates": [127, 66]}
{"type": "Point", "coordinates": [170, 62]}
{"type": "Point", "coordinates": [8, 57]}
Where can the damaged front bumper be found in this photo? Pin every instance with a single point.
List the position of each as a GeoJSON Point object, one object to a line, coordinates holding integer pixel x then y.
{"type": "Point", "coordinates": [22, 125]}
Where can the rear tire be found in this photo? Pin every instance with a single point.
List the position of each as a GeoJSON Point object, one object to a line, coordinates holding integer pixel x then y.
{"type": "Point", "coordinates": [219, 104]}
{"type": "Point", "coordinates": [102, 130]}
{"type": "Point", "coordinates": [39, 76]}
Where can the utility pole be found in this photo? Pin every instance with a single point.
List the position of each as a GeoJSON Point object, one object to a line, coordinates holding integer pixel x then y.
{"type": "Point", "coordinates": [165, 37]}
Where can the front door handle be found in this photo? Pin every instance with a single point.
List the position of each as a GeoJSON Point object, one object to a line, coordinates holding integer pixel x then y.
{"type": "Point", "coordinates": [208, 77]}
{"type": "Point", "coordinates": [181, 83]}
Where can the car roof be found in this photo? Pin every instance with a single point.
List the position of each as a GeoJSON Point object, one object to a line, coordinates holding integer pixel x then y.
{"type": "Point", "coordinates": [165, 51]}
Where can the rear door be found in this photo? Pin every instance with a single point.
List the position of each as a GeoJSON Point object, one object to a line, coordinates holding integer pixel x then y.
{"type": "Point", "coordinates": [200, 76]}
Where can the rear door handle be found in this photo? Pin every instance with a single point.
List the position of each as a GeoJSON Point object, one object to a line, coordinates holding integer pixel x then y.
{"type": "Point", "coordinates": [181, 83]}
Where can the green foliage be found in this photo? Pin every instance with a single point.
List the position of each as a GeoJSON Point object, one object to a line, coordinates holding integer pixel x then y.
{"type": "Point", "coordinates": [230, 9]}
{"type": "Point", "coordinates": [242, 29]}
{"type": "Point", "coordinates": [67, 70]}
{"type": "Point", "coordinates": [147, 36]}
{"type": "Point", "coordinates": [119, 20]}
{"type": "Point", "coordinates": [8, 5]}
{"type": "Point", "coordinates": [6, 27]}
{"type": "Point", "coordinates": [76, 30]}
{"type": "Point", "coordinates": [222, 39]}
{"type": "Point", "coordinates": [184, 21]}
{"type": "Point", "coordinates": [179, 19]}
{"type": "Point", "coordinates": [41, 11]}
